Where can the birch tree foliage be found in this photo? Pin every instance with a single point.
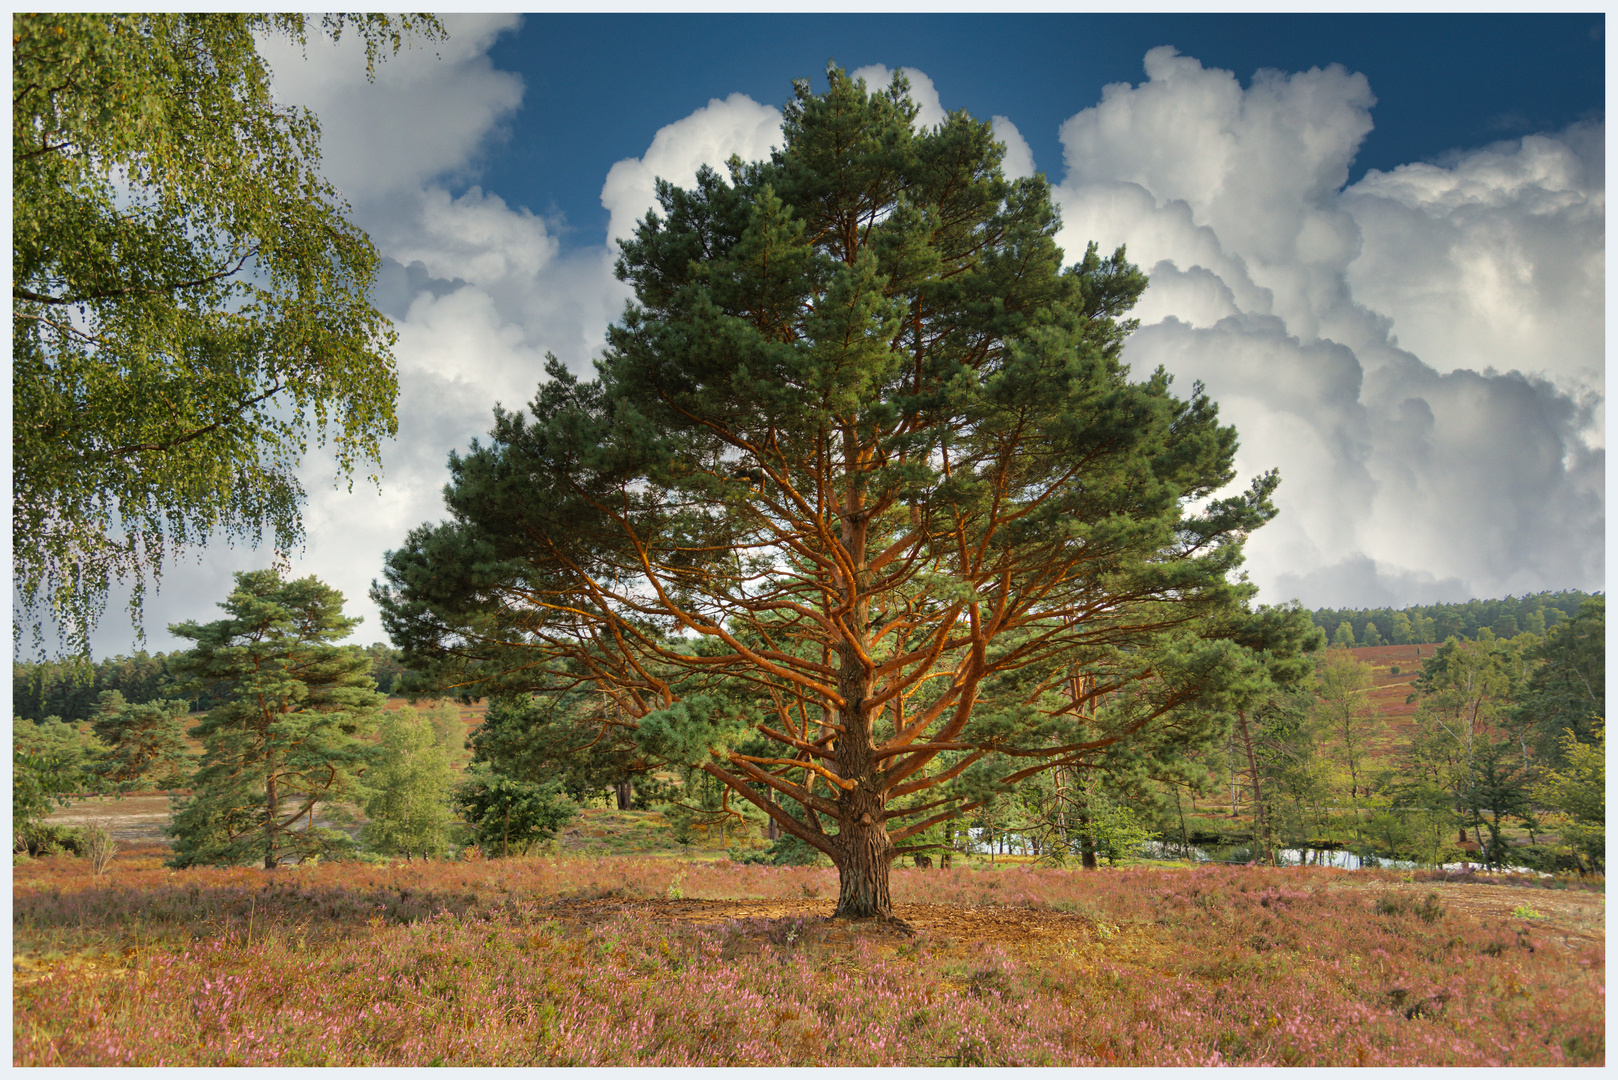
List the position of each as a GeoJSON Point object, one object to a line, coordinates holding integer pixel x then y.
{"type": "Point", "coordinates": [190, 304]}
{"type": "Point", "coordinates": [408, 799]}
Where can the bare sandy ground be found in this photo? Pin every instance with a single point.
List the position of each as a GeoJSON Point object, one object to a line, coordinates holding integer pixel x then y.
{"type": "Point", "coordinates": [134, 819]}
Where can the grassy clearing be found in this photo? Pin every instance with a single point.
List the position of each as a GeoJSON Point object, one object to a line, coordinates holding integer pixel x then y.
{"type": "Point", "coordinates": [656, 961]}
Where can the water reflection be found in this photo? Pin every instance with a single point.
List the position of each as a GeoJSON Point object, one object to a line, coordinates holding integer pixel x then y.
{"type": "Point", "coordinates": [1342, 860]}
{"type": "Point", "coordinates": [1238, 854]}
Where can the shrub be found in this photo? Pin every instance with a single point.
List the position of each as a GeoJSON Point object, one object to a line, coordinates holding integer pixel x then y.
{"type": "Point", "coordinates": [505, 814]}
{"type": "Point", "coordinates": [38, 839]}
{"type": "Point", "coordinates": [99, 848]}
{"type": "Point", "coordinates": [1391, 905]}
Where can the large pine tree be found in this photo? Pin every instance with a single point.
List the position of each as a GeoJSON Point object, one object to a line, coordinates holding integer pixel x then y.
{"type": "Point", "coordinates": [863, 509]}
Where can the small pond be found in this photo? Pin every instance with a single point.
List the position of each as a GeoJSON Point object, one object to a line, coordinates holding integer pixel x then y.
{"type": "Point", "coordinates": [1342, 860]}
{"type": "Point", "coordinates": [1239, 854]}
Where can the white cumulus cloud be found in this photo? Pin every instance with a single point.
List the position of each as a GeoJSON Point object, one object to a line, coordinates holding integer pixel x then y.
{"type": "Point", "coordinates": [737, 125]}
{"type": "Point", "coordinates": [1019, 159]}
{"type": "Point", "coordinates": [1498, 254]}
{"type": "Point", "coordinates": [430, 113]}
{"type": "Point", "coordinates": [1420, 354]}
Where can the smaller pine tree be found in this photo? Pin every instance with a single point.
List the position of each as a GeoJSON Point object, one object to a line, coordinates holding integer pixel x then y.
{"type": "Point", "coordinates": [145, 742]}
{"type": "Point", "coordinates": [506, 815]}
{"type": "Point", "coordinates": [289, 735]}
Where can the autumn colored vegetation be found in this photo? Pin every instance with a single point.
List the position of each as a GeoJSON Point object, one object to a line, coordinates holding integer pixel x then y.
{"type": "Point", "coordinates": [553, 961]}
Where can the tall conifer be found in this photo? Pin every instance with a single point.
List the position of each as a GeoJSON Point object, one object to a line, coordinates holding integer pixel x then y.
{"type": "Point", "coordinates": [862, 486]}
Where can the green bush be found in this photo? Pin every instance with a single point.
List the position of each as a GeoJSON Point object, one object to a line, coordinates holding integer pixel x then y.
{"type": "Point", "coordinates": [504, 815]}
{"type": "Point", "coordinates": [1540, 857]}
{"type": "Point", "coordinates": [39, 839]}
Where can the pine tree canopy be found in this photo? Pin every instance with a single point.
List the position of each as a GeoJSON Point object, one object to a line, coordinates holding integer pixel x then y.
{"type": "Point", "coordinates": [862, 507]}
{"type": "Point", "coordinates": [290, 733]}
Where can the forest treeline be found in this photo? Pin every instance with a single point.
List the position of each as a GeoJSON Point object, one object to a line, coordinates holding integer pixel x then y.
{"type": "Point", "coordinates": [69, 689]}
{"type": "Point", "coordinates": [1424, 624]}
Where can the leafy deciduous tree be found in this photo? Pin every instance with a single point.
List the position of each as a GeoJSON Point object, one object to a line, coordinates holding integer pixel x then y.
{"type": "Point", "coordinates": [1579, 790]}
{"type": "Point", "coordinates": [189, 301]}
{"type": "Point", "coordinates": [39, 783]}
{"type": "Point", "coordinates": [410, 787]}
{"type": "Point", "coordinates": [1350, 718]}
{"type": "Point", "coordinates": [74, 753]}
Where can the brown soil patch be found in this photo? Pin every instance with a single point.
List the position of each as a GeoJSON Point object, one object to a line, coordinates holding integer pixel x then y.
{"type": "Point", "coordinates": [134, 820]}
{"type": "Point", "coordinates": [1021, 932]}
{"type": "Point", "coordinates": [999, 924]}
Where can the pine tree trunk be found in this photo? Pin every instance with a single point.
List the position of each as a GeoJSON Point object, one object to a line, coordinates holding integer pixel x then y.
{"type": "Point", "coordinates": [863, 853]}
{"type": "Point", "coordinates": [272, 813]}
{"type": "Point", "coordinates": [864, 857]}
{"type": "Point", "coordinates": [1261, 822]}
{"type": "Point", "coordinates": [1087, 836]}
{"type": "Point", "coordinates": [1185, 841]}
{"type": "Point", "coordinates": [625, 793]}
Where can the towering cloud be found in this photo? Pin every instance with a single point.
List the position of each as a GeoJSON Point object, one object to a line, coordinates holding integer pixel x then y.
{"type": "Point", "coordinates": [478, 290]}
{"type": "Point", "coordinates": [1419, 353]}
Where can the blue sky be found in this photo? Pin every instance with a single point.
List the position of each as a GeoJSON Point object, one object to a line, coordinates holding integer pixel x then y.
{"type": "Point", "coordinates": [1379, 241]}
{"type": "Point", "coordinates": [599, 86]}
